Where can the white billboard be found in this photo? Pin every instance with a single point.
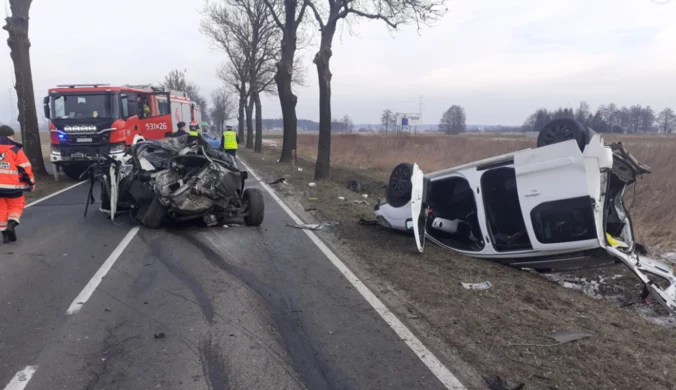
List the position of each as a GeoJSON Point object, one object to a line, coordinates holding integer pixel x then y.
{"type": "Point", "coordinates": [409, 119]}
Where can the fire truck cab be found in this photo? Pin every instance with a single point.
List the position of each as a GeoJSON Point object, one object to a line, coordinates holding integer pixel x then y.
{"type": "Point", "coordinates": [92, 120]}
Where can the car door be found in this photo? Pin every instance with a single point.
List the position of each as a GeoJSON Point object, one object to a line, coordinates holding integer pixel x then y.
{"type": "Point", "coordinates": [555, 198]}
{"type": "Point", "coordinates": [418, 219]}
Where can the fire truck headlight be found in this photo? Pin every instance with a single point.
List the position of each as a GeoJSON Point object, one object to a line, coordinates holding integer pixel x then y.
{"type": "Point", "coordinates": [56, 150]}
{"type": "Point", "coordinates": [118, 148]}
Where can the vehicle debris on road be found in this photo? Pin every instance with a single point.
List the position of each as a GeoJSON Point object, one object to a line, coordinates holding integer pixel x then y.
{"type": "Point", "coordinates": [313, 226]}
{"type": "Point", "coordinates": [567, 336]}
{"type": "Point", "coordinates": [353, 186]}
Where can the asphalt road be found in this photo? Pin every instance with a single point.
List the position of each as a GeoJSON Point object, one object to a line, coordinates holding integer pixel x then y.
{"type": "Point", "coordinates": [239, 307]}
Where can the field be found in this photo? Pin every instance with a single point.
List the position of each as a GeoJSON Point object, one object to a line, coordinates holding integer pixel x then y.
{"type": "Point", "coordinates": [652, 212]}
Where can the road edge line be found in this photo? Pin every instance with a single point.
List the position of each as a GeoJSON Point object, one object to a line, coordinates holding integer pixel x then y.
{"type": "Point", "coordinates": [425, 355]}
{"type": "Point", "coordinates": [88, 289]}
{"type": "Point", "coordinates": [33, 203]}
{"type": "Point", "coordinates": [20, 383]}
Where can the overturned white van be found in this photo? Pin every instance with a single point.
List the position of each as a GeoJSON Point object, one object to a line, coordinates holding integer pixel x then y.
{"type": "Point", "coordinates": [559, 205]}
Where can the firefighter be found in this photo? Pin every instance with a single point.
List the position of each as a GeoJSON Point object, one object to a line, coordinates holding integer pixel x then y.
{"type": "Point", "coordinates": [229, 141]}
{"type": "Point", "coordinates": [16, 176]}
{"type": "Point", "coordinates": [181, 130]}
{"type": "Point", "coordinates": [145, 108]}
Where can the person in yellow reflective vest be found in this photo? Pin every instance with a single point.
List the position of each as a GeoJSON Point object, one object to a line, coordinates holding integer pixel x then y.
{"type": "Point", "coordinates": [229, 141]}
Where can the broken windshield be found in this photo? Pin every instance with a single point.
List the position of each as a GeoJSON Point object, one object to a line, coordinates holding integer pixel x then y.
{"type": "Point", "coordinates": [81, 106]}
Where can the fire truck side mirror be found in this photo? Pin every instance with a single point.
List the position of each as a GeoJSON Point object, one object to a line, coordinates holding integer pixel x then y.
{"type": "Point", "coordinates": [45, 103]}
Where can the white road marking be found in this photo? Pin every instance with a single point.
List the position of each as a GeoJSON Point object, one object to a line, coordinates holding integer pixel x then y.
{"type": "Point", "coordinates": [21, 378]}
{"type": "Point", "coordinates": [438, 369]}
{"type": "Point", "coordinates": [54, 194]}
{"type": "Point", "coordinates": [88, 290]}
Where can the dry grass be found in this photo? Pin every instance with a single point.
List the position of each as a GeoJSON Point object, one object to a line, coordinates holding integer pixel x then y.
{"type": "Point", "coordinates": [652, 212]}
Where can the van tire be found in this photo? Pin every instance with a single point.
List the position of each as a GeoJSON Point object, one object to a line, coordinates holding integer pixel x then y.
{"type": "Point", "coordinates": [399, 187]}
{"type": "Point", "coordinates": [253, 198]}
{"type": "Point", "coordinates": [561, 130]}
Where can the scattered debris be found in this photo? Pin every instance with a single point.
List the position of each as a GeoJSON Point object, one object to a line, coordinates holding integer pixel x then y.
{"type": "Point", "coordinates": [300, 169]}
{"type": "Point", "coordinates": [368, 222]}
{"type": "Point", "coordinates": [499, 384]}
{"type": "Point", "coordinates": [226, 226]}
{"type": "Point", "coordinates": [365, 195]}
{"type": "Point", "coordinates": [311, 209]}
{"type": "Point", "coordinates": [107, 309]}
{"type": "Point", "coordinates": [361, 202]}
{"type": "Point", "coordinates": [341, 198]}
{"type": "Point", "coordinates": [566, 336]}
{"type": "Point", "coordinates": [159, 335]}
{"type": "Point", "coordinates": [312, 184]}
{"type": "Point", "coordinates": [477, 286]}
{"type": "Point", "coordinates": [312, 198]}
{"type": "Point", "coordinates": [313, 226]}
{"type": "Point", "coordinates": [278, 181]}
{"type": "Point", "coordinates": [353, 186]}
{"type": "Point", "coordinates": [22, 377]}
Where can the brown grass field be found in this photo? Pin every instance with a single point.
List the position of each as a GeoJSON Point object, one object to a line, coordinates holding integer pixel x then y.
{"type": "Point", "coordinates": [653, 214]}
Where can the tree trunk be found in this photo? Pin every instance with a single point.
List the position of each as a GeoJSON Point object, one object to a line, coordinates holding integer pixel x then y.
{"type": "Point", "coordinates": [287, 99]}
{"type": "Point", "coordinates": [249, 124]}
{"type": "Point", "coordinates": [19, 46]}
{"type": "Point", "coordinates": [322, 59]}
{"type": "Point", "coordinates": [240, 116]}
{"type": "Point", "coordinates": [258, 148]}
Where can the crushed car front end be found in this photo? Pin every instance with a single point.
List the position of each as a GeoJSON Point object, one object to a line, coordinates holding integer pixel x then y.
{"type": "Point", "coordinates": [177, 179]}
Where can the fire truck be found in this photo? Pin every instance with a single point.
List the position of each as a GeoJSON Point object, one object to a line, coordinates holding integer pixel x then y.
{"type": "Point", "coordinates": [88, 121]}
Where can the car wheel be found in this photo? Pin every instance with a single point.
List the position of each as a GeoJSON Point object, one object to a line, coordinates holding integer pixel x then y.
{"type": "Point", "coordinates": [561, 130]}
{"type": "Point", "coordinates": [399, 187]}
{"type": "Point", "coordinates": [73, 171]}
{"type": "Point", "coordinates": [253, 198]}
{"type": "Point", "coordinates": [151, 214]}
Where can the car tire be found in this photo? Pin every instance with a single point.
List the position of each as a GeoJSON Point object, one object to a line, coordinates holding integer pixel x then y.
{"type": "Point", "coordinates": [151, 214]}
{"type": "Point", "coordinates": [73, 171]}
{"type": "Point", "coordinates": [399, 187]}
{"type": "Point", "coordinates": [561, 130]}
{"type": "Point", "coordinates": [253, 198]}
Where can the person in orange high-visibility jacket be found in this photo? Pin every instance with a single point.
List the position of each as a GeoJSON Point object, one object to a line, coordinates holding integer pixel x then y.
{"type": "Point", "coordinates": [16, 176]}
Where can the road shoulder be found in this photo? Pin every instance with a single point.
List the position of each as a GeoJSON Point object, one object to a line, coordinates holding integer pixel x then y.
{"type": "Point", "coordinates": [497, 332]}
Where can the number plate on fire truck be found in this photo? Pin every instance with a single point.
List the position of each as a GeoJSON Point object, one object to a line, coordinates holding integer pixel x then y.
{"type": "Point", "coordinates": [84, 140]}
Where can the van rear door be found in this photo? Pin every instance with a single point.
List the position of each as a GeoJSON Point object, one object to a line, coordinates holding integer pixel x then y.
{"type": "Point", "coordinates": [418, 219]}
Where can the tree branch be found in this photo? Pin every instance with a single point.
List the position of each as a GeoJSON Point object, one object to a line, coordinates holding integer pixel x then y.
{"type": "Point", "coordinates": [301, 14]}
{"type": "Point", "coordinates": [372, 16]}
{"type": "Point", "coordinates": [274, 14]}
{"type": "Point", "coordinates": [316, 13]}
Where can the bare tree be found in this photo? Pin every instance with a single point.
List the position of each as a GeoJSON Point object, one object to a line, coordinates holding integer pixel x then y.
{"type": "Point", "coordinates": [666, 121]}
{"type": "Point", "coordinates": [234, 74]}
{"type": "Point", "coordinates": [177, 81]}
{"type": "Point", "coordinates": [288, 16]}
{"type": "Point", "coordinates": [348, 125]}
{"type": "Point", "coordinates": [19, 48]}
{"type": "Point", "coordinates": [647, 119]}
{"type": "Point", "coordinates": [327, 14]}
{"type": "Point", "coordinates": [453, 121]}
{"type": "Point", "coordinates": [388, 118]}
{"type": "Point", "coordinates": [222, 107]}
{"type": "Point", "coordinates": [582, 113]}
{"type": "Point", "coordinates": [245, 30]}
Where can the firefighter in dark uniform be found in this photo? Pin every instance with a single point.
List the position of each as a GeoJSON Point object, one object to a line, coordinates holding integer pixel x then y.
{"type": "Point", "coordinates": [229, 141]}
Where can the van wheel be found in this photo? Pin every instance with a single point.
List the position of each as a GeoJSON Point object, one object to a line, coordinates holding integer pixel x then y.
{"type": "Point", "coordinates": [253, 198]}
{"type": "Point", "coordinates": [399, 187]}
{"type": "Point", "coordinates": [73, 171]}
{"type": "Point", "coordinates": [561, 130]}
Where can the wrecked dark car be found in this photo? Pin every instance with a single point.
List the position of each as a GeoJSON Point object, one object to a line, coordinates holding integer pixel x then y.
{"type": "Point", "coordinates": [176, 179]}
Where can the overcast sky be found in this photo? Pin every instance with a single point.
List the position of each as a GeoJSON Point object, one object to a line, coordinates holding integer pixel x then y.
{"type": "Point", "coordinates": [499, 59]}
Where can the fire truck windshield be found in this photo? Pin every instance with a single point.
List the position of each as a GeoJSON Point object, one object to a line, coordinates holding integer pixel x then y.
{"type": "Point", "coordinates": [81, 106]}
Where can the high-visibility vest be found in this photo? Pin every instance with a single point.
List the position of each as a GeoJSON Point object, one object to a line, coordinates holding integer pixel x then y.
{"type": "Point", "coordinates": [16, 173]}
{"type": "Point", "coordinates": [230, 140]}
{"type": "Point", "coordinates": [193, 133]}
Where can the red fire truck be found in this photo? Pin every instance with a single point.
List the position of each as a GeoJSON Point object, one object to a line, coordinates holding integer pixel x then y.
{"type": "Point", "coordinates": [92, 120]}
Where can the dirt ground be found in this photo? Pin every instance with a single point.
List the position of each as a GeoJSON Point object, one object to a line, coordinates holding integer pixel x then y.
{"type": "Point", "coordinates": [499, 332]}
